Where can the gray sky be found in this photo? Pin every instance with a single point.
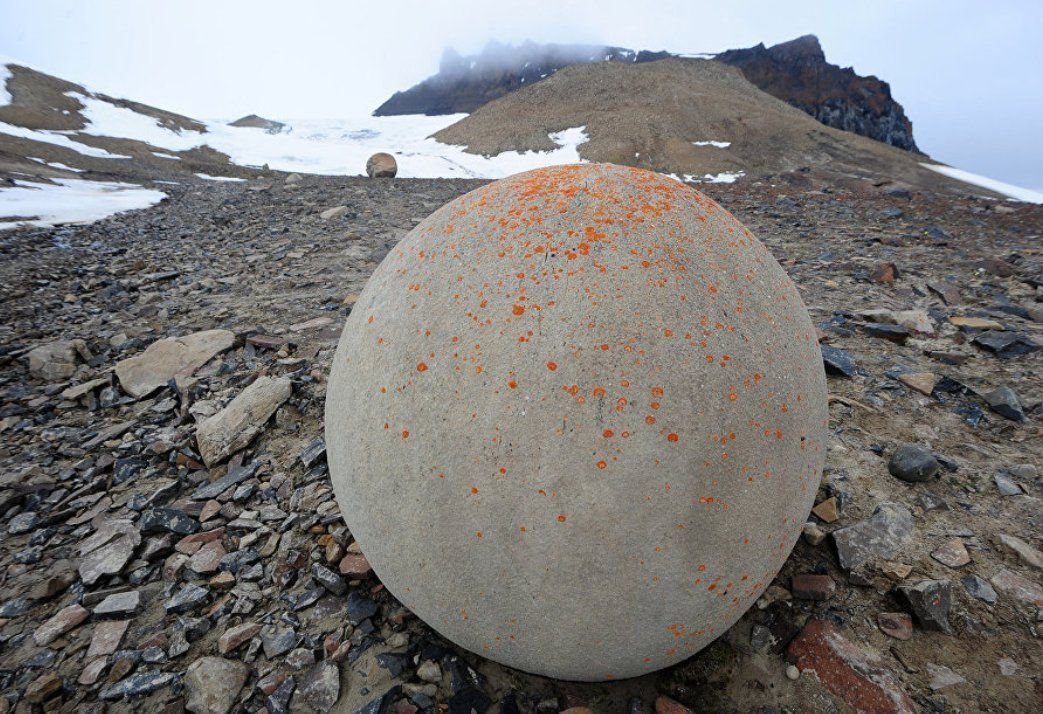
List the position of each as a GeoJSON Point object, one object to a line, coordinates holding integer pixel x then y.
{"type": "Point", "coordinates": [969, 74]}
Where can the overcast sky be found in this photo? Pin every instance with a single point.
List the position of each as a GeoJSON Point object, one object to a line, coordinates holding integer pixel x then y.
{"type": "Point", "coordinates": [969, 74]}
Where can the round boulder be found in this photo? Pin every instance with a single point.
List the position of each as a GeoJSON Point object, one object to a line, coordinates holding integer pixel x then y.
{"type": "Point", "coordinates": [577, 419]}
{"type": "Point", "coordinates": [381, 165]}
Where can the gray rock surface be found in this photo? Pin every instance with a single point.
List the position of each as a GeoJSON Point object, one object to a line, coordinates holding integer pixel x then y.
{"type": "Point", "coordinates": [171, 357]}
{"type": "Point", "coordinates": [508, 550]}
{"type": "Point", "coordinates": [241, 420]}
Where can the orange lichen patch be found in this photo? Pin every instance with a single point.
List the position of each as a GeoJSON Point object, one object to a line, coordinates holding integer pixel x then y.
{"type": "Point", "coordinates": [405, 433]}
{"type": "Point", "coordinates": [552, 365]}
{"type": "Point", "coordinates": [672, 437]}
{"type": "Point", "coordinates": [602, 464]}
{"type": "Point", "coordinates": [421, 367]}
{"type": "Point", "coordinates": [474, 489]}
{"type": "Point", "coordinates": [607, 433]}
{"type": "Point", "coordinates": [561, 518]}
{"type": "Point", "coordinates": [512, 384]}
{"type": "Point", "coordinates": [650, 419]}
{"type": "Point", "coordinates": [518, 309]}
{"type": "Point", "coordinates": [478, 534]}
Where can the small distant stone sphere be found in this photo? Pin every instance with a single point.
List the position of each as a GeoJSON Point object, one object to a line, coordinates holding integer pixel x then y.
{"type": "Point", "coordinates": [381, 165]}
{"type": "Point", "coordinates": [577, 419]}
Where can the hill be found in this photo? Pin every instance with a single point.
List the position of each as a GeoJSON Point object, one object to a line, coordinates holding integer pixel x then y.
{"type": "Point", "coordinates": [689, 117]}
{"type": "Point", "coordinates": [795, 72]}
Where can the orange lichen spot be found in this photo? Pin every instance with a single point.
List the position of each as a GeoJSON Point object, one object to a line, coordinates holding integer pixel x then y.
{"type": "Point", "coordinates": [732, 395]}
{"type": "Point", "coordinates": [518, 309]}
{"type": "Point", "coordinates": [383, 390]}
{"type": "Point", "coordinates": [512, 384]}
{"type": "Point", "coordinates": [552, 365]}
{"type": "Point", "coordinates": [520, 276]}
{"type": "Point", "coordinates": [668, 332]}
{"type": "Point", "coordinates": [602, 464]}
{"type": "Point", "coordinates": [405, 433]}
{"type": "Point", "coordinates": [370, 320]}
{"type": "Point", "coordinates": [604, 348]}
{"type": "Point", "coordinates": [474, 489]}
{"type": "Point", "coordinates": [541, 492]}
{"type": "Point", "coordinates": [657, 391]}
{"type": "Point", "coordinates": [654, 405]}
{"type": "Point", "coordinates": [672, 437]}
{"type": "Point", "coordinates": [561, 518]}
{"type": "Point", "coordinates": [503, 471]}
{"type": "Point", "coordinates": [386, 425]}
{"type": "Point", "coordinates": [478, 534]}
{"type": "Point", "coordinates": [598, 391]}
{"type": "Point", "coordinates": [421, 367]}
{"type": "Point", "coordinates": [650, 419]}
{"type": "Point", "coordinates": [522, 529]}
{"type": "Point", "coordinates": [607, 433]}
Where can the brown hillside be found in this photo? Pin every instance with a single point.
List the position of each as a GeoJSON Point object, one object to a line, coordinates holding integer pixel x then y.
{"type": "Point", "coordinates": [649, 114]}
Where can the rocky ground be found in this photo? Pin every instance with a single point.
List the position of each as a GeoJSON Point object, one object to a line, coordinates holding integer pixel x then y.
{"type": "Point", "coordinates": [172, 542]}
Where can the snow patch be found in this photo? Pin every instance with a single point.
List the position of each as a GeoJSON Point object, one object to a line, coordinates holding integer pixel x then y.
{"type": "Point", "coordinates": [723, 177]}
{"type": "Point", "coordinates": [58, 139]}
{"type": "Point", "coordinates": [219, 178]}
{"type": "Point", "coordinates": [106, 119]}
{"type": "Point", "coordinates": [71, 201]}
{"type": "Point", "coordinates": [55, 165]}
{"type": "Point", "coordinates": [1015, 192]}
{"type": "Point", "coordinates": [718, 144]}
{"type": "Point", "coordinates": [342, 147]}
{"type": "Point", "coordinates": [161, 155]}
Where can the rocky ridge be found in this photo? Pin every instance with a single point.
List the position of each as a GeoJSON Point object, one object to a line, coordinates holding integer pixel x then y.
{"type": "Point", "coordinates": [172, 540]}
{"type": "Point", "coordinates": [795, 72]}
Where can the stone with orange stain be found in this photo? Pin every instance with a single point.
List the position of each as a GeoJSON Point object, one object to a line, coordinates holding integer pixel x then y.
{"type": "Point", "coordinates": [614, 371]}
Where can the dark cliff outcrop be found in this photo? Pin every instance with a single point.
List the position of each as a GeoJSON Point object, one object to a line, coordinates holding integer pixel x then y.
{"type": "Point", "coordinates": [797, 73]}
{"type": "Point", "coordinates": [465, 83]}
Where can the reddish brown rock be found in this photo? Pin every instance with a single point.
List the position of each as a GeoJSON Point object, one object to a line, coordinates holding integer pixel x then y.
{"type": "Point", "coordinates": [666, 705]}
{"type": "Point", "coordinates": [896, 624]}
{"type": "Point", "coordinates": [189, 545]}
{"type": "Point", "coordinates": [885, 273]}
{"type": "Point", "coordinates": [858, 678]}
{"type": "Point", "coordinates": [813, 587]}
{"type": "Point", "coordinates": [65, 620]}
{"type": "Point", "coordinates": [355, 565]}
{"type": "Point", "coordinates": [235, 637]}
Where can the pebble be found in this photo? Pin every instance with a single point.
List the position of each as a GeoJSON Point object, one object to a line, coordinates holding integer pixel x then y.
{"type": "Point", "coordinates": [879, 537]}
{"type": "Point", "coordinates": [320, 686]}
{"type": "Point", "coordinates": [898, 625]}
{"type": "Point", "coordinates": [978, 588]}
{"type": "Point", "coordinates": [1026, 553]}
{"type": "Point", "coordinates": [930, 601]}
{"type": "Point", "coordinates": [1005, 402]}
{"type": "Point", "coordinates": [119, 604]}
{"type": "Point", "coordinates": [235, 637]}
{"type": "Point", "coordinates": [813, 587]}
{"type": "Point", "coordinates": [913, 463]}
{"type": "Point", "coordinates": [952, 553]}
{"type": "Point", "coordinates": [137, 685]}
{"type": "Point", "coordinates": [64, 620]}
{"type": "Point", "coordinates": [212, 684]}
{"type": "Point", "coordinates": [792, 672]}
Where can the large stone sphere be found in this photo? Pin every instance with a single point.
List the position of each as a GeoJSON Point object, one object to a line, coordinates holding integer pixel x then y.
{"type": "Point", "coordinates": [381, 165]}
{"type": "Point", "coordinates": [577, 419]}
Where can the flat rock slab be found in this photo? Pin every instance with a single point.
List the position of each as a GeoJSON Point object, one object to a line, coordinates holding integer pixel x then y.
{"type": "Point", "coordinates": [212, 684]}
{"type": "Point", "coordinates": [878, 537]}
{"type": "Point", "coordinates": [108, 550]}
{"type": "Point", "coordinates": [171, 357]}
{"type": "Point", "coordinates": [237, 424]}
{"type": "Point", "coordinates": [856, 676]}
